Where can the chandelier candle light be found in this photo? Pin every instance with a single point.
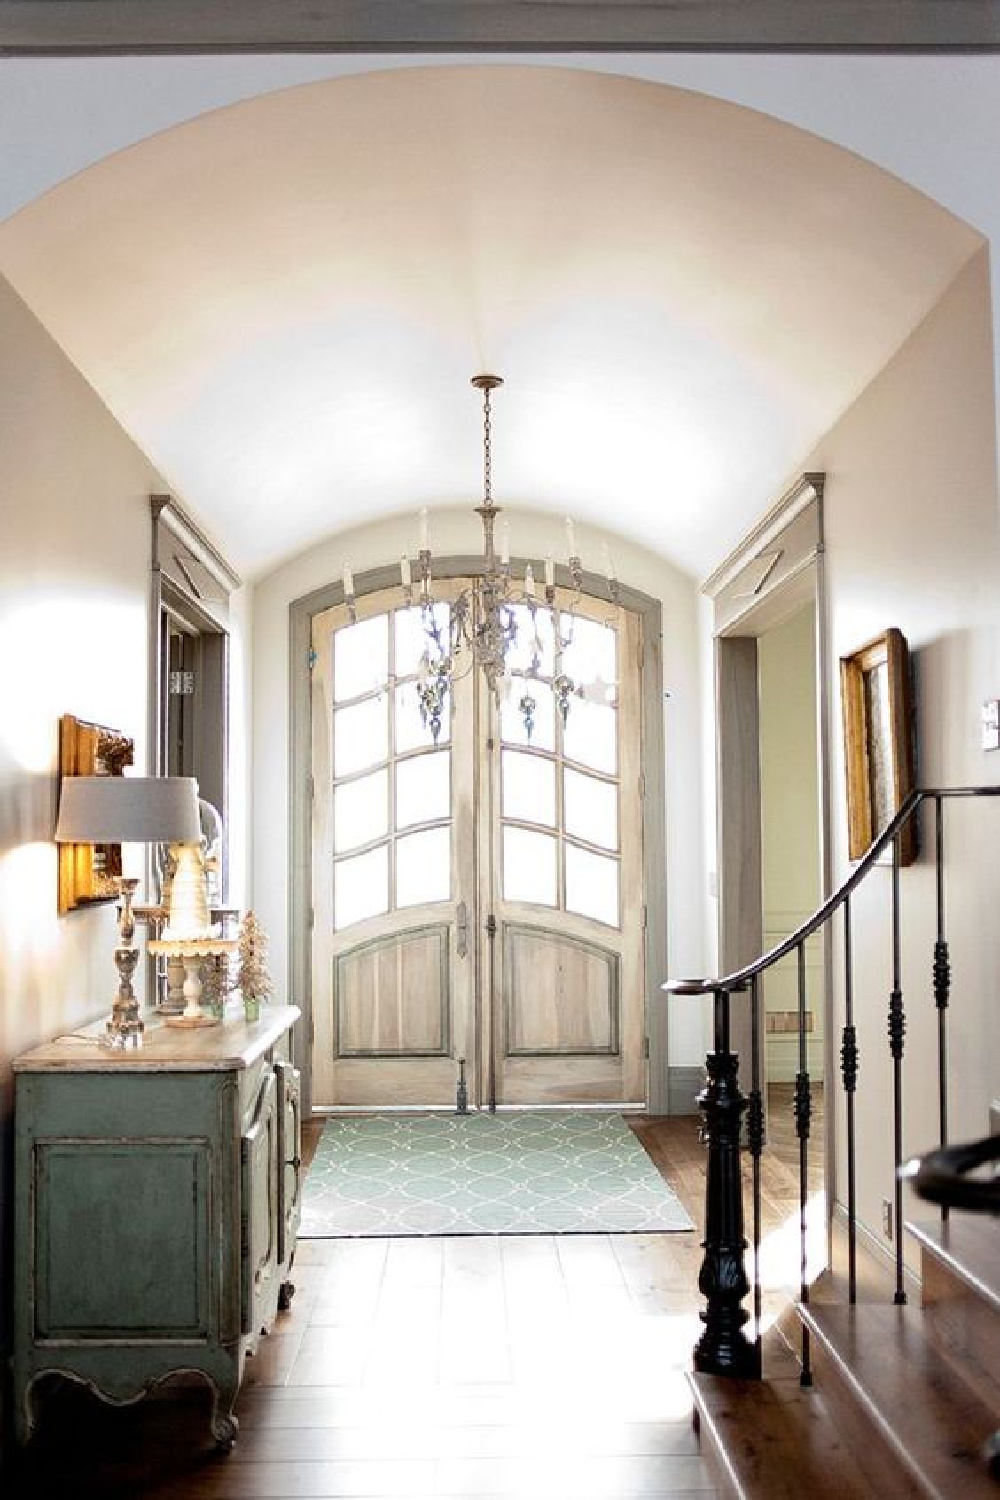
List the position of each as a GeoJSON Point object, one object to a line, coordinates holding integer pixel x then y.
{"type": "Point", "coordinates": [482, 624]}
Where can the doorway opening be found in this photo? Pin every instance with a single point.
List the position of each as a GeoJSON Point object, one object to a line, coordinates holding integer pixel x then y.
{"type": "Point", "coordinates": [790, 846]}
{"type": "Point", "coordinates": [773, 791]}
{"type": "Point", "coordinates": [478, 895]}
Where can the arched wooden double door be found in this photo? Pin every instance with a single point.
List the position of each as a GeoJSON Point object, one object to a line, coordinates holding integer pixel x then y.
{"type": "Point", "coordinates": [478, 898]}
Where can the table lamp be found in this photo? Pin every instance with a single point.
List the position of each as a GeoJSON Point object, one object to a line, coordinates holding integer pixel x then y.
{"type": "Point", "coordinates": [127, 810]}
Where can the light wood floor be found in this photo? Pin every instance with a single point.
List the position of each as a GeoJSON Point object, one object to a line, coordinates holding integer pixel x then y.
{"type": "Point", "coordinates": [518, 1366]}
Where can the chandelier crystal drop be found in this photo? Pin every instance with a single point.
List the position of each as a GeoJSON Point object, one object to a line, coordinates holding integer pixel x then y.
{"type": "Point", "coordinates": [484, 623]}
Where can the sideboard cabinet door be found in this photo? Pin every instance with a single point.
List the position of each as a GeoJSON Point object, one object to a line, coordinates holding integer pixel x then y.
{"type": "Point", "coordinates": [259, 1211]}
{"type": "Point", "coordinates": [289, 1159]}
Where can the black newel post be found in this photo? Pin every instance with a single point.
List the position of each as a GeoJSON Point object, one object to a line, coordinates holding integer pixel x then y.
{"type": "Point", "coordinates": [723, 1348]}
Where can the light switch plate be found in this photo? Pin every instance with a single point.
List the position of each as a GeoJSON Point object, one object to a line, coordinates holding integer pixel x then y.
{"type": "Point", "coordinates": [991, 725]}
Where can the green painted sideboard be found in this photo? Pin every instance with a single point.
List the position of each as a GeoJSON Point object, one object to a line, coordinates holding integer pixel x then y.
{"type": "Point", "coordinates": [156, 1208]}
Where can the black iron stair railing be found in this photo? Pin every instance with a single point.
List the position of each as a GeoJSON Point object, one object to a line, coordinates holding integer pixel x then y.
{"type": "Point", "coordinates": [724, 1347]}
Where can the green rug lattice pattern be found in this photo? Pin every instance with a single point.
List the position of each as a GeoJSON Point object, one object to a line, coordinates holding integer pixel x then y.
{"type": "Point", "coordinates": [521, 1173]}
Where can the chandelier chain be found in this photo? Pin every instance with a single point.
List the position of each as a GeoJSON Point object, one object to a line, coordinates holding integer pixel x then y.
{"type": "Point", "coordinates": [487, 450]}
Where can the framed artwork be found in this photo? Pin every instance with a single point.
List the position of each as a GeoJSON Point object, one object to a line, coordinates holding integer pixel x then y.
{"type": "Point", "coordinates": [87, 872]}
{"type": "Point", "coordinates": [878, 741]}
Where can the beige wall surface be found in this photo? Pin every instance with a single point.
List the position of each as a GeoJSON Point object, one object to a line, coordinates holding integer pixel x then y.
{"type": "Point", "coordinates": [74, 588]}
{"type": "Point", "coordinates": [679, 903]}
{"type": "Point", "coordinates": [912, 541]}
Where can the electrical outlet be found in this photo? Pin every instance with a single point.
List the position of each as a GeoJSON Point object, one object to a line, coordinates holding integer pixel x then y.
{"type": "Point", "coordinates": [887, 1218]}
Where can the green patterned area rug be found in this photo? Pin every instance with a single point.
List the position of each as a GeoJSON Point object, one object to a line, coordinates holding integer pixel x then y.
{"type": "Point", "coordinates": [520, 1173]}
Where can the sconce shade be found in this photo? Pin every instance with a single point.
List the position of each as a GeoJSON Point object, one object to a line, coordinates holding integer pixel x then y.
{"type": "Point", "coordinates": [128, 810]}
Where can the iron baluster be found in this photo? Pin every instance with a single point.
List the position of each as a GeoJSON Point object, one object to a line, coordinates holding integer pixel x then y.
{"type": "Point", "coordinates": [723, 1348]}
{"type": "Point", "coordinates": [942, 983]}
{"type": "Point", "coordinates": [803, 1115]}
{"type": "Point", "coordinates": [722, 1103]}
{"type": "Point", "coordinates": [897, 1033]}
{"type": "Point", "coordinates": [755, 1142]}
{"type": "Point", "coordinates": [849, 1072]}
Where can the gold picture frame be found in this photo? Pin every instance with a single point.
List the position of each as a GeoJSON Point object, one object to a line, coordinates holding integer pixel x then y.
{"type": "Point", "coordinates": [878, 741]}
{"type": "Point", "coordinates": [88, 872]}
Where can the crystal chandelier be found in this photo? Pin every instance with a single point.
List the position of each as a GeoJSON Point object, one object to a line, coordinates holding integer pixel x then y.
{"type": "Point", "coordinates": [482, 623]}
{"type": "Point", "coordinates": [481, 626]}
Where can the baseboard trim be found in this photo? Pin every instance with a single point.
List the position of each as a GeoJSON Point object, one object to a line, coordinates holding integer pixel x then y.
{"type": "Point", "coordinates": [876, 1249]}
{"type": "Point", "coordinates": [684, 1084]}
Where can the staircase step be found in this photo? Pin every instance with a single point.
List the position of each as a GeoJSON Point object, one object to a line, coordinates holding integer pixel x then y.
{"type": "Point", "coordinates": [893, 1390]}
{"type": "Point", "coordinates": [771, 1440]}
{"type": "Point", "coordinates": [963, 1254]}
{"type": "Point", "coordinates": [960, 1295]}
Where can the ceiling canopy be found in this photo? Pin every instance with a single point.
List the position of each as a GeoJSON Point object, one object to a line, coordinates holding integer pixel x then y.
{"type": "Point", "coordinates": [283, 301]}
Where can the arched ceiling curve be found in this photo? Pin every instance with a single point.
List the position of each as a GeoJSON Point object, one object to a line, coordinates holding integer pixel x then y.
{"type": "Point", "coordinates": [283, 301]}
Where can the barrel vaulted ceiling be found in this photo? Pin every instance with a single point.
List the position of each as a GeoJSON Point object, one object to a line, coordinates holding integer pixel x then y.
{"type": "Point", "coordinates": [283, 301]}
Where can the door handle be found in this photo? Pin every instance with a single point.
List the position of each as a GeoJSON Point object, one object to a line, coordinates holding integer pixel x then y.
{"type": "Point", "coordinates": [463, 929]}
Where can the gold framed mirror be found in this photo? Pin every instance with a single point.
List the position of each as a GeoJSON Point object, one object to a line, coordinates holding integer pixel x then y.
{"type": "Point", "coordinates": [88, 872]}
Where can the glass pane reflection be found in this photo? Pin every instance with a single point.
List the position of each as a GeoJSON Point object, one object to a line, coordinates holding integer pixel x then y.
{"type": "Point", "coordinates": [591, 735]}
{"type": "Point", "coordinates": [360, 811]}
{"type": "Point", "coordinates": [529, 867]}
{"type": "Point", "coordinates": [411, 734]}
{"type": "Point", "coordinates": [528, 786]}
{"type": "Point", "coordinates": [590, 808]}
{"type": "Point", "coordinates": [360, 736]}
{"type": "Point", "coordinates": [412, 638]}
{"type": "Point", "coordinates": [592, 652]}
{"type": "Point", "coordinates": [360, 887]}
{"type": "Point", "coordinates": [534, 638]}
{"type": "Point", "coordinates": [592, 885]}
{"type": "Point", "coordinates": [423, 789]}
{"type": "Point", "coordinates": [423, 867]}
{"type": "Point", "coordinates": [360, 658]}
{"type": "Point", "coordinates": [512, 730]}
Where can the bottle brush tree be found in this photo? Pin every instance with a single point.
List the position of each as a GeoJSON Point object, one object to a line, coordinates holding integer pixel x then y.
{"type": "Point", "coordinates": [252, 976]}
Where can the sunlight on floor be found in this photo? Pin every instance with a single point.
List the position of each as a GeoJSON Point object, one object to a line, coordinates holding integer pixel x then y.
{"type": "Point", "coordinates": [781, 1256]}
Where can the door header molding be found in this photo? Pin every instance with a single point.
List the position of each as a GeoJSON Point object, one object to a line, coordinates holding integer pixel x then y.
{"type": "Point", "coordinates": [763, 578]}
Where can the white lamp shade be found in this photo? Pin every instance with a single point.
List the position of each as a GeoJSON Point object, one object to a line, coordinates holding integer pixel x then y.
{"type": "Point", "coordinates": [128, 810]}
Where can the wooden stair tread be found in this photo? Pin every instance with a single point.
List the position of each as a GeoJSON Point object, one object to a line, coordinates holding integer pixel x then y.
{"type": "Point", "coordinates": [772, 1440]}
{"type": "Point", "coordinates": [969, 1246]}
{"type": "Point", "coordinates": [930, 1419]}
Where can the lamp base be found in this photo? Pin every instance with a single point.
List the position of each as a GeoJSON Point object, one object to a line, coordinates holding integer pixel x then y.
{"type": "Point", "coordinates": [124, 1029]}
{"type": "Point", "coordinates": [122, 1036]}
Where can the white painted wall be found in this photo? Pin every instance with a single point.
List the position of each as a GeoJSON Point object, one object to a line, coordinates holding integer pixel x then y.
{"type": "Point", "coordinates": [75, 540]}
{"type": "Point", "coordinates": [456, 533]}
{"type": "Point", "coordinates": [912, 541]}
{"type": "Point", "coordinates": [74, 594]}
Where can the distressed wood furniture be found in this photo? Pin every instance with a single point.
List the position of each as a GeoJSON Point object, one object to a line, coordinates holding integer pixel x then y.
{"type": "Point", "coordinates": [156, 1208]}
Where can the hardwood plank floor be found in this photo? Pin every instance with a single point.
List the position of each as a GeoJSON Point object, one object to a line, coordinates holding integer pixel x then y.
{"type": "Point", "coordinates": [489, 1366]}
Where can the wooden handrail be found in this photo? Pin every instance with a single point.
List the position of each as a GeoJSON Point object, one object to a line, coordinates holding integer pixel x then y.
{"type": "Point", "coordinates": [739, 979]}
{"type": "Point", "coordinates": [724, 1348]}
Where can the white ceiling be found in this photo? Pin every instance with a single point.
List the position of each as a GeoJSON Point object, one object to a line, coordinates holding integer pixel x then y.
{"type": "Point", "coordinates": [283, 301]}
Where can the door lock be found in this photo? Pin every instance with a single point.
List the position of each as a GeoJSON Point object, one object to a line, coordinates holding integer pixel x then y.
{"type": "Point", "coordinates": [463, 929]}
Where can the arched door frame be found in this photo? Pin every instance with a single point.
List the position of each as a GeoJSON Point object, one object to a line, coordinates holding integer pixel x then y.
{"type": "Point", "coordinates": [301, 612]}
